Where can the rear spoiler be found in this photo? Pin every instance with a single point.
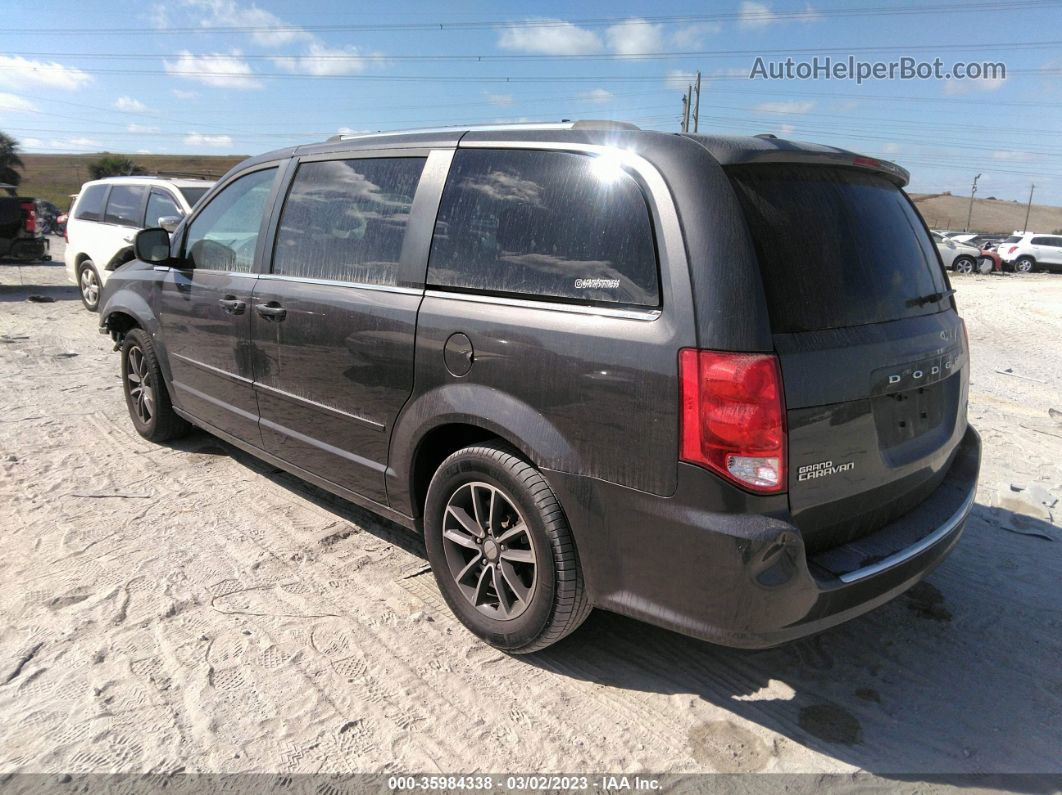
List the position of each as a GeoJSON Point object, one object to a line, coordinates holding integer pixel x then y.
{"type": "Point", "coordinates": [760, 150]}
{"type": "Point", "coordinates": [894, 173]}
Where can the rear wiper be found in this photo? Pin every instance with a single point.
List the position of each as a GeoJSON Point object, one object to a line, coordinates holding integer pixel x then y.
{"type": "Point", "coordinates": [932, 298]}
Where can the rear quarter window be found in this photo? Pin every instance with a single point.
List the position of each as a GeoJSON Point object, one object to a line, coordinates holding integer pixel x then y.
{"type": "Point", "coordinates": [837, 247]}
{"type": "Point", "coordinates": [90, 203]}
{"type": "Point", "coordinates": [544, 224]}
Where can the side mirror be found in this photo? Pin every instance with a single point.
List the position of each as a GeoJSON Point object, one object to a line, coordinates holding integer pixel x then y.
{"type": "Point", "coordinates": [152, 245]}
{"type": "Point", "coordinates": [170, 222]}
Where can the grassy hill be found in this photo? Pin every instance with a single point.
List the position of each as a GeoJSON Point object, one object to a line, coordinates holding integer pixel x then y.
{"type": "Point", "coordinates": [945, 211]}
{"type": "Point", "coordinates": [55, 177]}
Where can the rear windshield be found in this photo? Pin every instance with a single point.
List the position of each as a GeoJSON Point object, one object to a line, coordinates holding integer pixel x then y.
{"type": "Point", "coordinates": [1013, 239]}
{"type": "Point", "coordinates": [192, 195]}
{"type": "Point", "coordinates": [837, 247]}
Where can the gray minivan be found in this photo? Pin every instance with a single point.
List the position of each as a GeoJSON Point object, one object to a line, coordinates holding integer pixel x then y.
{"type": "Point", "coordinates": [717, 384]}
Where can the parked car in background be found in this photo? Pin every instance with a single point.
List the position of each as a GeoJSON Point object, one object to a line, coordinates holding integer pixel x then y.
{"type": "Point", "coordinates": [584, 362]}
{"type": "Point", "coordinates": [978, 241]}
{"type": "Point", "coordinates": [20, 232]}
{"type": "Point", "coordinates": [959, 257]}
{"type": "Point", "coordinates": [1030, 252]}
{"type": "Point", "coordinates": [105, 216]}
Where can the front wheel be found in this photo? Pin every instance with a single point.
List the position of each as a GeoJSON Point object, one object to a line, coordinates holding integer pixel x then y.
{"type": "Point", "coordinates": [1025, 265]}
{"type": "Point", "coordinates": [145, 391]}
{"type": "Point", "coordinates": [501, 550]}
{"type": "Point", "coordinates": [964, 264]}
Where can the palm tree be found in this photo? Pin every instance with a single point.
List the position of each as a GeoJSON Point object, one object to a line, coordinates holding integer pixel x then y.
{"type": "Point", "coordinates": [9, 160]}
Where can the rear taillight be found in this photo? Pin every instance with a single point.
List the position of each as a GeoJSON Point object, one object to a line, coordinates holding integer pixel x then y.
{"type": "Point", "coordinates": [1012, 249]}
{"type": "Point", "coordinates": [30, 221]}
{"type": "Point", "coordinates": [733, 417]}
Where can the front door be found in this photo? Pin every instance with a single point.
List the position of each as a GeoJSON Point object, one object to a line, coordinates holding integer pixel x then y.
{"type": "Point", "coordinates": [205, 308]}
{"type": "Point", "coordinates": [332, 328]}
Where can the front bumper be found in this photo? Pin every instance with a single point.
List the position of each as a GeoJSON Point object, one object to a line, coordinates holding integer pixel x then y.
{"type": "Point", "coordinates": [742, 577]}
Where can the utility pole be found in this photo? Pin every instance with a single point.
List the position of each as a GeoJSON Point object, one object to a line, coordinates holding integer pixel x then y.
{"type": "Point", "coordinates": [685, 112]}
{"type": "Point", "coordinates": [697, 102]}
{"type": "Point", "coordinates": [1025, 226]}
{"type": "Point", "coordinates": [969, 214]}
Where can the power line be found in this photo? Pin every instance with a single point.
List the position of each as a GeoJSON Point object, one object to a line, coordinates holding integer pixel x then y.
{"type": "Point", "coordinates": [766, 16]}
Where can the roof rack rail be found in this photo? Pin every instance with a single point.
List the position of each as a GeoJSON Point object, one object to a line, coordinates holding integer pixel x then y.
{"type": "Point", "coordinates": [564, 124]}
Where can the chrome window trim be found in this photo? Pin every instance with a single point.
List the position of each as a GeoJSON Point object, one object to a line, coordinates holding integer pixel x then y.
{"type": "Point", "coordinates": [383, 288]}
{"type": "Point", "coordinates": [626, 313]}
{"type": "Point", "coordinates": [917, 548]}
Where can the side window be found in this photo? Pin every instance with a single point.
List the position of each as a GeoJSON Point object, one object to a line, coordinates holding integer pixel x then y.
{"type": "Point", "coordinates": [345, 219]}
{"type": "Point", "coordinates": [1041, 241]}
{"type": "Point", "coordinates": [159, 206]}
{"type": "Point", "coordinates": [90, 203]}
{"type": "Point", "coordinates": [124, 203]}
{"type": "Point", "coordinates": [224, 235]}
{"type": "Point", "coordinates": [546, 224]}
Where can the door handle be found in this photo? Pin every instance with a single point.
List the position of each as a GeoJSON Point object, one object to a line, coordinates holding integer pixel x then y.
{"type": "Point", "coordinates": [271, 311]}
{"type": "Point", "coordinates": [232, 305]}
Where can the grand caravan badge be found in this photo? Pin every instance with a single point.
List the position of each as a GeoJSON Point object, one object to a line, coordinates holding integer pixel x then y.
{"type": "Point", "coordinates": [823, 469]}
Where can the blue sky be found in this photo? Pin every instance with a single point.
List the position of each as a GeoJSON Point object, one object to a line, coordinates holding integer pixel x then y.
{"type": "Point", "coordinates": [234, 76]}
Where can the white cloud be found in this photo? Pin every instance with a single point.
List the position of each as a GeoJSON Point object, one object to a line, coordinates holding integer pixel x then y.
{"type": "Point", "coordinates": [269, 29]}
{"type": "Point", "coordinates": [786, 129]}
{"type": "Point", "coordinates": [789, 106]}
{"type": "Point", "coordinates": [755, 15]}
{"type": "Point", "coordinates": [680, 80]}
{"type": "Point", "coordinates": [635, 36]}
{"type": "Point", "coordinates": [556, 38]}
{"type": "Point", "coordinates": [143, 151]}
{"type": "Point", "coordinates": [1012, 155]}
{"type": "Point", "coordinates": [130, 104]}
{"type": "Point", "coordinates": [501, 100]}
{"type": "Point", "coordinates": [214, 69]}
{"type": "Point", "coordinates": [141, 128]}
{"type": "Point", "coordinates": [891, 148]}
{"type": "Point", "coordinates": [752, 14]}
{"type": "Point", "coordinates": [694, 35]}
{"type": "Point", "coordinates": [212, 141]}
{"type": "Point", "coordinates": [16, 70]}
{"type": "Point", "coordinates": [11, 102]}
{"type": "Point", "coordinates": [350, 131]}
{"type": "Point", "coordinates": [180, 93]}
{"type": "Point", "coordinates": [956, 88]}
{"type": "Point", "coordinates": [74, 143]}
{"type": "Point", "coordinates": [32, 142]}
{"type": "Point", "coordinates": [598, 96]}
{"type": "Point", "coordinates": [321, 60]}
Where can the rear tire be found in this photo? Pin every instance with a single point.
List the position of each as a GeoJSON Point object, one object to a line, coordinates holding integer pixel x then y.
{"type": "Point", "coordinates": [1025, 265]}
{"type": "Point", "coordinates": [501, 550]}
{"type": "Point", "coordinates": [88, 282]}
{"type": "Point", "coordinates": [963, 264]}
{"type": "Point", "coordinates": [145, 391]}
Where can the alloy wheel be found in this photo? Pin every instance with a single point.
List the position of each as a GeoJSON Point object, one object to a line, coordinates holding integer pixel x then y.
{"type": "Point", "coordinates": [488, 550]}
{"type": "Point", "coordinates": [141, 393]}
{"type": "Point", "coordinates": [90, 286]}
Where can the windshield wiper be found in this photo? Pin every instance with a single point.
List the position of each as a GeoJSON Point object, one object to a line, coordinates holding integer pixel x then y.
{"type": "Point", "coordinates": [932, 298]}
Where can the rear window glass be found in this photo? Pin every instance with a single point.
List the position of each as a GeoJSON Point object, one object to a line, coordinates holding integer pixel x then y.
{"type": "Point", "coordinates": [124, 203]}
{"type": "Point", "coordinates": [1013, 239]}
{"type": "Point", "coordinates": [90, 203]}
{"type": "Point", "coordinates": [192, 195]}
{"type": "Point", "coordinates": [544, 224]}
{"type": "Point", "coordinates": [837, 247]}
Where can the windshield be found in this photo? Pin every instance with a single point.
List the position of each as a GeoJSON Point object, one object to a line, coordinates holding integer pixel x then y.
{"type": "Point", "coordinates": [838, 247]}
{"type": "Point", "coordinates": [192, 195]}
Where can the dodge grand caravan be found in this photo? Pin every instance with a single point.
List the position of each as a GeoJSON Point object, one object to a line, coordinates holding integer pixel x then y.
{"type": "Point", "coordinates": [716, 384]}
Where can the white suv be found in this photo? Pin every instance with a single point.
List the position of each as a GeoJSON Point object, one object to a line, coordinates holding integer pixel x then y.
{"type": "Point", "coordinates": [106, 216]}
{"type": "Point", "coordinates": [1029, 252]}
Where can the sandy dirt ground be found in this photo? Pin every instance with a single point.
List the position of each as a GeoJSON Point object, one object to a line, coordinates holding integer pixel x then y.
{"type": "Point", "coordinates": [189, 608]}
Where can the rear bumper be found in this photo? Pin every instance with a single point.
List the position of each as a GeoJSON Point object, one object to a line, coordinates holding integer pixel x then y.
{"type": "Point", "coordinates": [744, 579]}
